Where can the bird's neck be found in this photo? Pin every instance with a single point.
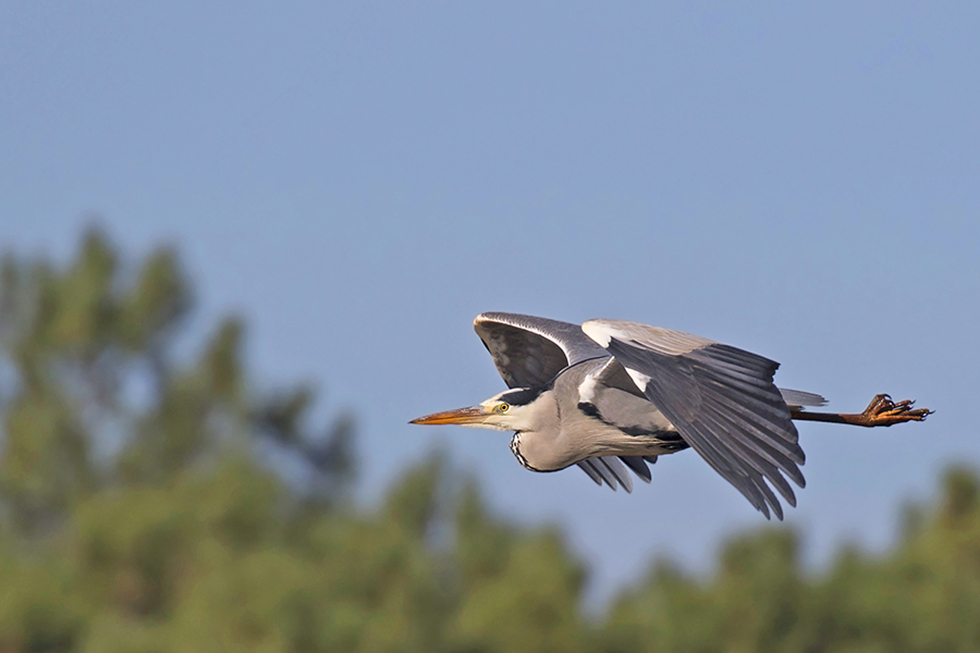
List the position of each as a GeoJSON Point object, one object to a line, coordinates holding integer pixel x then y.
{"type": "Point", "coordinates": [537, 446]}
{"type": "Point", "coordinates": [516, 449]}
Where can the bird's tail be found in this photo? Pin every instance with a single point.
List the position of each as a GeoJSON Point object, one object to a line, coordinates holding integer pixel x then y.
{"type": "Point", "coordinates": [798, 398]}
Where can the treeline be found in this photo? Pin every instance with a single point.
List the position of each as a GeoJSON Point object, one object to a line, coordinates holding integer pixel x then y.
{"type": "Point", "coordinates": [139, 512]}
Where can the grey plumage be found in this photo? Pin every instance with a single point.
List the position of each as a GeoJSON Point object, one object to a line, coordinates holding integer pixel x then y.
{"type": "Point", "coordinates": [611, 396]}
{"type": "Point", "coordinates": [703, 388]}
{"type": "Point", "coordinates": [798, 398]}
{"type": "Point", "coordinates": [531, 351]}
{"type": "Point", "coordinates": [720, 399]}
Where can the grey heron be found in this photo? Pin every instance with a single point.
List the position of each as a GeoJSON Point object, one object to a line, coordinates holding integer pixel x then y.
{"type": "Point", "coordinates": [610, 395]}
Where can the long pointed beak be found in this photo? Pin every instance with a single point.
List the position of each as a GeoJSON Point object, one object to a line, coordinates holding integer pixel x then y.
{"type": "Point", "coordinates": [471, 415]}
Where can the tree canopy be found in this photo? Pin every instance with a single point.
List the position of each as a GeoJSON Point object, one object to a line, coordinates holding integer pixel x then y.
{"type": "Point", "coordinates": [139, 513]}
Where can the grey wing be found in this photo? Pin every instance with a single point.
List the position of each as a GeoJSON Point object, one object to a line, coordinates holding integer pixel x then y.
{"type": "Point", "coordinates": [530, 351]}
{"type": "Point", "coordinates": [720, 399]}
{"type": "Point", "coordinates": [612, 469]}
{"type": "Point", "coordinates": [611, 396]}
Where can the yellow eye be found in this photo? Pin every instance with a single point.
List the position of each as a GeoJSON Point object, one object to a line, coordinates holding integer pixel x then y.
{"type": "Point", "coordinates": [502, 408]}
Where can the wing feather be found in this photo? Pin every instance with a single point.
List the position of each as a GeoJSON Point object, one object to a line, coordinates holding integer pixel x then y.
{"type": "Point", "coordinates": [530, 351]}
{"type": "Point", "coordinates": [612, 470]}
{"type": "Point", "coordinates": [760, 448]}
{"type": "Point", "coordinates": [587, 467]}
{"type": "Point", "coordinates": [758, 462]}
{"type": "Point", "coordinates": [604, 472]}
{"type": "Point", "coordinates": [722, 401]}
{"type": "Point", "coordinates": [639, 467]}
{"type": "Point", "coordinates": [618, 470]}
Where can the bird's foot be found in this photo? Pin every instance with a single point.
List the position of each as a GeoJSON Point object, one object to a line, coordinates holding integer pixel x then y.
{"type": "Point", "coordinates": [882, 411]}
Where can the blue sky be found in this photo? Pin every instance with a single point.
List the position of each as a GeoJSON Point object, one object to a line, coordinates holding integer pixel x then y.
{"type": "Point", "coordinates": [360, 180]}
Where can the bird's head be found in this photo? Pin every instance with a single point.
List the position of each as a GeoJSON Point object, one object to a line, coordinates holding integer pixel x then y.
{"type": "Point", "coordinates": [517, 409]}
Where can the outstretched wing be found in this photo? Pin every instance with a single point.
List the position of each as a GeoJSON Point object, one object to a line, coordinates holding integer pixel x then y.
{"type": "Point", "coordinates": [720, 399]}
{"type": "Point", "coordinates": [530, 351]}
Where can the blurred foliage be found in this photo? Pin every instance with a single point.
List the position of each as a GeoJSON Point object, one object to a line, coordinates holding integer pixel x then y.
{"type": "Point", "coordinates": [138, 514]}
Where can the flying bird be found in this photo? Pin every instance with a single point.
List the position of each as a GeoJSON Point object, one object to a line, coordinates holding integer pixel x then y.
{"type": "Point", "coordinates": [610, 395]}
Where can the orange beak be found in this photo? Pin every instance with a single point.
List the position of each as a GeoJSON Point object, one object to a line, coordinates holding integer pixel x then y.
{"type": "Point", "coordinates": [471, 415]}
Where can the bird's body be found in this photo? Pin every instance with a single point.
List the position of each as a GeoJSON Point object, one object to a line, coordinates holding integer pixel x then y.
{"type": "Point", "coordinates": [571, 427]}
{"type": "Point", "coordinates": [611, 395]}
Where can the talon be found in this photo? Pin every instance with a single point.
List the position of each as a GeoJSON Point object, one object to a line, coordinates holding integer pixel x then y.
{"type": "Point", "coordinates": [884, 412]}
{"type": "Point", "coordinates": [880, 402]}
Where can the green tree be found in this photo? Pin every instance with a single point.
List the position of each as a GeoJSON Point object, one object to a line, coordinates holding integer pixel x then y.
{"type": "Point", "coordinates": [922, 596]}
{"type": "Point", "coordinates": [124, 472]}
